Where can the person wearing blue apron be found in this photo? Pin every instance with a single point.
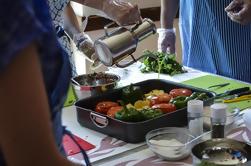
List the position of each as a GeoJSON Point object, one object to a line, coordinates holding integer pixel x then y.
{"type": "Point", "coordinates": [211, 42]}
{"type": "Point", "coordinates": [34, 78]}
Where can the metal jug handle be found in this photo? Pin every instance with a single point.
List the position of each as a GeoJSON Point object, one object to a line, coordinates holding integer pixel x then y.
{"type": "Point", "coordinates": [134, 27]}
{"type": "Point", "coordinates": [137, 24]}
{"type": "Point", "coordinates": [134, 60]}
{"type": "Point", "coordinates": [107, 33]}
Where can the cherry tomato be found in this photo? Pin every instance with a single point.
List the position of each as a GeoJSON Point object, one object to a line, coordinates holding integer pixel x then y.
{"type": "Point", "coordinates": [112, 111]}
{"type": "Point", "coordinates": [162, 98]}
{"type": "Point", "coordinates": [154, 100]}
{"type": "Point", "coordinates": [180, 92]}
{"type": "Point", "coordinates": [104, 106]}
{"type": "Point", "coordinates": [165, 107]}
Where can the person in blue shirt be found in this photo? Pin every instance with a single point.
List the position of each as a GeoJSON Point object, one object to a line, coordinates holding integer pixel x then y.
{"type": "Point", "coordinates": [211, 42]}
{"type": "Point", "coordinates": [34, 78]}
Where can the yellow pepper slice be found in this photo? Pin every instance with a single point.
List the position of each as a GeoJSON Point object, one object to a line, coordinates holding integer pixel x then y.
{"type": "Point", "coordinates": [140, 104]}
{"type": "Point", "coordinates": [154, 92]}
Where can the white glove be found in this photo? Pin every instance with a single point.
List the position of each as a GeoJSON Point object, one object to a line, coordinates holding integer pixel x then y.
{"type": "Point", "coordinates": [166, 40]}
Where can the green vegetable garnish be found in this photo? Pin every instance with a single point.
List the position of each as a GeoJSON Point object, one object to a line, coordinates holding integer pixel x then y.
{"type": "Point", "coordinates": [161, 63]}
{"type": "Point", "coordinates": [129, 115]}
{"type": "Point", "coordinates": [150, 113]}
{"type": "Point", "coordinates": [179, 102]}
{"type": "Point", "coordinates": [131, 94]}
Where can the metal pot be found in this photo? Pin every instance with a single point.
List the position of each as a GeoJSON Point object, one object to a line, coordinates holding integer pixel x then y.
{"type": "Point", "coordinates": [219, 152]}
{"type": "Point", "coordinates": [87, 85]}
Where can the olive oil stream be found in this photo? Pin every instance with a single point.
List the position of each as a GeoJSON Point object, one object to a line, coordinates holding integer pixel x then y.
{"type": "Point", "coordinates": [159, 66]}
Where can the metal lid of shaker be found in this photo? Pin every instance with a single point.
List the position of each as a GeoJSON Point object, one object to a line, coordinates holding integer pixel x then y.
{"type": "Point", "coordinates": [195, 106]}
{"type": "Point", "coordinates": [218, 113]}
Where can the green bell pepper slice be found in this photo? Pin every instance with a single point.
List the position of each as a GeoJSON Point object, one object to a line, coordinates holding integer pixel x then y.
{"type": "Point", "coordinates": [129, 115]}
{"type": "Point", "coordinates": [151, 113]}
{"type": "Point", "coordinates": [202, 96]}
{"type": "Point", "coordinates": [131, 94]}
{"type": "Point", "coordinates": [179, 102]}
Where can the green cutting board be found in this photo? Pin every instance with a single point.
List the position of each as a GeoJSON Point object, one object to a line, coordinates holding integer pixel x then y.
{"type": "Point", "coordinates": [205, 81]}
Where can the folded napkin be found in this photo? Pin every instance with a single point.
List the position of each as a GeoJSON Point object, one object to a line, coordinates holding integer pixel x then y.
{"type": "Point", "coordinates": [71, 97]}
{"type": "Point", "coordinates": [71, 148]}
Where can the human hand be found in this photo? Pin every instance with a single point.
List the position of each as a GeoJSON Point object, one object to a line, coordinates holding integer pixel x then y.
{"type": "Point", "coordinates": [166, 40]}
{"type": "Point", "coordinates": [122, 13]}
{"type": "Point", "coordinates": [239, 11]}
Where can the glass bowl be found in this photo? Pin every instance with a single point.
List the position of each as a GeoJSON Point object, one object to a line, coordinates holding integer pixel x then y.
{"type": "Point", "coordinates": [170, 143]}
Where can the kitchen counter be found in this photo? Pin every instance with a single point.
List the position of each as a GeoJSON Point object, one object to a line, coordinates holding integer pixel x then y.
{"type": "Point", "coordinates": [111, 151]}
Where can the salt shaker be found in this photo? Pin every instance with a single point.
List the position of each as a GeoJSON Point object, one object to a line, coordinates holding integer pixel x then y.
{"type": "Point", "coordinates": [195, 117]}
{"type": "Point", "coordinates": [218, 120]}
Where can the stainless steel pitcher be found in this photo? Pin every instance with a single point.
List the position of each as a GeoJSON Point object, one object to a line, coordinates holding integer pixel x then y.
{"type": "Point", "coordinates": [122, 42]}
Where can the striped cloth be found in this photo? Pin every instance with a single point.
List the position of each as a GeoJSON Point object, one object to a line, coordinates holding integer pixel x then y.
{"type": "Point", "coordinates": [211, 42]}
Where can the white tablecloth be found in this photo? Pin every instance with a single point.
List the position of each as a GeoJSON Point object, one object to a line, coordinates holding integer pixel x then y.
{"type": "Point", "coordinates": [110, 151]}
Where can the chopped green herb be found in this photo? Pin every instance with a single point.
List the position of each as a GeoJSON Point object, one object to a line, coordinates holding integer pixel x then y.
{"type": "Point", "coordinates": [161, 63]}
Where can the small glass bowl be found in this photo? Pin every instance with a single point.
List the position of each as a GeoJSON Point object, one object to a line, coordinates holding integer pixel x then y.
{"type": "Point", "coordinates": [170, 143]}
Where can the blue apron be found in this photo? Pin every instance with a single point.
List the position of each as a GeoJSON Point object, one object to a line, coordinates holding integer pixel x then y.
{"type": "Point", "coordinates": [211, 42]}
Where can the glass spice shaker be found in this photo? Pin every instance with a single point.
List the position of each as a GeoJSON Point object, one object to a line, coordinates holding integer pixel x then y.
{"type": "Point", "coordinates": [218, 120]}
{"type": "Point", "coordinates": [195, 117]}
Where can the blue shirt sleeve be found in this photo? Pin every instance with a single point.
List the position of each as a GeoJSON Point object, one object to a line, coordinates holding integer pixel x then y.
{"type": "Point", "coordinates": [20, 24]}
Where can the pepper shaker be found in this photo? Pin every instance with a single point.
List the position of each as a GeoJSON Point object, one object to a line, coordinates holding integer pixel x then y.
{"type": "Point", "coordinates": [218, 120]}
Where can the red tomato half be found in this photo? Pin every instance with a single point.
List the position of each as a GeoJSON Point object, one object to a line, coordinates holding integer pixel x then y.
{"type": "Point", "coordinates": [104, 106]}
{"type": "Point", "coordinates": [162, 98]}
{"type": "Point", "coordinates": [112, 111]}
{"type": "Point", "coordinates": [165, 107]}
{"type": "Point", "coordinates": [180, 92]}
{"type": "Point", "coordinates": [154, 100]}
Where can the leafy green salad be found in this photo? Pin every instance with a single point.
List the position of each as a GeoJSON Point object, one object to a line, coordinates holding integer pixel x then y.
{"type": "Point", "coordinates": [159, 62]}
